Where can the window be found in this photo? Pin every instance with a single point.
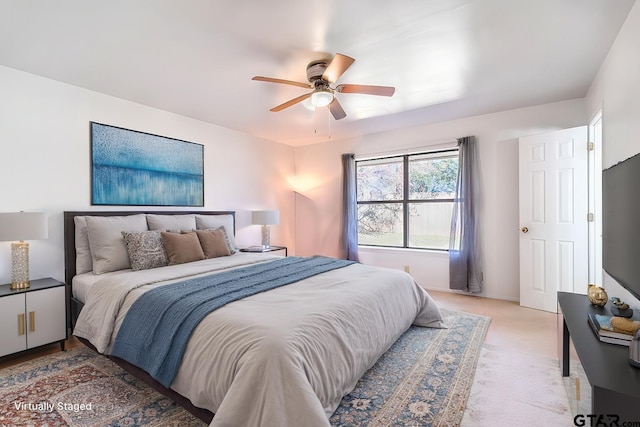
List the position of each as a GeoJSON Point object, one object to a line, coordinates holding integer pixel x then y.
{"type": "Point", "coordinates": [407, 201]}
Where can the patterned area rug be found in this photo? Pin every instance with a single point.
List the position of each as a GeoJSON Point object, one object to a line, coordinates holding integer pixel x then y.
{"type": "Point", "coordinates": [423, 380]}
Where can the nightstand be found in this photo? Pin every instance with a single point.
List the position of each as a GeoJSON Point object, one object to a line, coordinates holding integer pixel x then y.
{"type": "Point", "coordinates": [274, 250]}
{"type": "Point", "coordinates": [32, 317]}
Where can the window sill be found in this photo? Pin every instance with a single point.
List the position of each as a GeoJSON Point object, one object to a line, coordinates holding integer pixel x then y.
{"type": "Point", "coordinates": [414, 251]}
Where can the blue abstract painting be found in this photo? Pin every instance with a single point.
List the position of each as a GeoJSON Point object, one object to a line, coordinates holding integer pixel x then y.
{"type": "Point", "coordinates": [137, 168]}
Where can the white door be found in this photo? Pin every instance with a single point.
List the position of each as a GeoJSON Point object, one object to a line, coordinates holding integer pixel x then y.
{"type": "Point", "coordinates": [553, 216]}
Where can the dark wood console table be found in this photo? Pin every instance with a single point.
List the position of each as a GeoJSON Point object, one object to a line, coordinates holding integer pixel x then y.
{"type": "Point", "coordinates": [615, 384]}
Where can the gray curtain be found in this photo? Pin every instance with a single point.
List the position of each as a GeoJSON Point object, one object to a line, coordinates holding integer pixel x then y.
{"type": "Point", "coordinates": [465, 271]}
{"type": "Point", "coordinates": [349, 208]}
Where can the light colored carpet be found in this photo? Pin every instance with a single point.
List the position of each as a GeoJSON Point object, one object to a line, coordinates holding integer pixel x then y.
{"type": "Point", "coordinates": [423, 380]}
{"type": "Point", "coordinates": [578, 389]}
{"type": "Point", "coordinates": [517, 391]}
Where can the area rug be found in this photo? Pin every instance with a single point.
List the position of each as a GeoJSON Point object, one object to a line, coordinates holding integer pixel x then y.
{"type": "Point", "coordinates": [423, 380]}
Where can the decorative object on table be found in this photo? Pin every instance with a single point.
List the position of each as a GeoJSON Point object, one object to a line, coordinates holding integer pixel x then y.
{"type": "Point", "coordinates": [22, 226]}
{"type": "Point", "coordinates": [620, 309]}
{"type": "Point", "coordinates": [597, 295]}
{"type": "Point", "coordinates": [613, 330]}
{"type": "Point", "coordinates": [254, 249]}
{"type": "Point", "coordinates": [624, 325]}
{"type": "Point", "coordinates": [136, 168]}
{"type": "Point", "coordinates": [275, 250]}
{"type": "Point", "coordinates": [265, 219]}
{"type": "Point", "coordinates": [634, 350]}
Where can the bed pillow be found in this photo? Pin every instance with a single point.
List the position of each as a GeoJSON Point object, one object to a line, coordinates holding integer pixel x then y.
{"type": "Point", "coordinates": [108, 251]}
{"type": "Point", "coordinates": [213, 243]}
{"type": "Point", "coordinates": [145, 249]}
{"type": "Point", "coordinates": [84, 263]}
{"type": "Point", "coordinates": [182, 247]}
{"type": "Point", "coordinates": [228, 238]}
{"type": "Point", "coordinates": [213, 222]}
{"type": "Point", "coordinates": [171, 222]}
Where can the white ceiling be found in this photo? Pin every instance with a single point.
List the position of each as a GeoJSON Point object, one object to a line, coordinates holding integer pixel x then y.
{"type": "Point", "coordinates": [447, 58]}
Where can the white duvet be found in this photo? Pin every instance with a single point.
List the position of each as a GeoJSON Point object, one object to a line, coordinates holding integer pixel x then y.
{"type": "Point", "coordinates": [285, 357]}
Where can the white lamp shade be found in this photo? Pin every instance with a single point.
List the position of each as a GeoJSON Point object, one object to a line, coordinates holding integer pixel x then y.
{"type": "Point", "coordinates": [271, 217]}
{"type": "Point", "coordinates": [23, 226]}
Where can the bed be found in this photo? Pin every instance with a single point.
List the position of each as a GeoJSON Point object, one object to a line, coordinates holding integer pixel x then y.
{"type": "Point", "coordinates": [297, 339]}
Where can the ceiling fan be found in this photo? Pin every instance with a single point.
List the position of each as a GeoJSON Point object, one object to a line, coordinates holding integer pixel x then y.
{"type": "Point", "coordinates": [321, 74]}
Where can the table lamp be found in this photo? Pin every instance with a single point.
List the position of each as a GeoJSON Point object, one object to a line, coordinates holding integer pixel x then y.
{"type": "Point", "coordinates": [21, 226]}
{"type": "Point", "coordinates": [265, 218]}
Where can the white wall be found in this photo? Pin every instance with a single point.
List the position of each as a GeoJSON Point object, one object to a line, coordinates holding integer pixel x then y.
{"type": "Point", "coordinates": [44, 150]}
{"type": "Point", "coordinates": [318, 171]}
{"type": "Point", "coordinates": [616, 90]}
{"type": "Point", "coordinates": [45, 162]}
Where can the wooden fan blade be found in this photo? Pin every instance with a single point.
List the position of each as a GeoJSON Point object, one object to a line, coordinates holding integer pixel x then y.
{"type": "Point", "coordinates": [291, 102]}
{"type": "Point", "coordinates": [286, 82]}
{"type": "Point", "coordinates": [367, 90]}
{"type": "Point", "coordinates": [336, 110]}
{"type": "Point", "coordinates": [338, 65]}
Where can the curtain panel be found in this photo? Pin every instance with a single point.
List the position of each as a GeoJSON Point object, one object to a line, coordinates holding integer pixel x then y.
{"type": "Point", "coordinates": [349, 208]}
{"type": "Point", "coordinates": [465, 271]}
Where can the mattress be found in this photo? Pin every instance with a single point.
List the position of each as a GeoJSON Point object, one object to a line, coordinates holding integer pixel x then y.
{"type": "Point", "coordinates": [82, 283]}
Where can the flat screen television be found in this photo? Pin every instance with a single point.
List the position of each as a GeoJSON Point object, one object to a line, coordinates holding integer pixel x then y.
{"type": "Point", "coordinates": [621, 223]}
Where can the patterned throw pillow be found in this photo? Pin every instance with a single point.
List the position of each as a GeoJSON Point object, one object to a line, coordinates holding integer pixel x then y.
{"type": "Point", "coordinates": [145, 250]}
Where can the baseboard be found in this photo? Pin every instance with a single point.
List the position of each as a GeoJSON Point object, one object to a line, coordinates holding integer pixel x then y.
{"type": "Point", "coordinates": [480, 295]}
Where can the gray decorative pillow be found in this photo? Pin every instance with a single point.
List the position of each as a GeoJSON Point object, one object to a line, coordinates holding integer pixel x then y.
{"type": "Point", "coordinates": [84, 263]}
{"type": "Point", "coordinates": [108, 251]}
{"type": "Point", "coordinates": [171, 222]}
{"type": "Point", "coordinates": [145, 249]}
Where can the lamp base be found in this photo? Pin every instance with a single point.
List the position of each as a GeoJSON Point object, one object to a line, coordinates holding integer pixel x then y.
{"type": "Point", "coordinates": [266, 239]}
{"type": "Point", "coordinates": [19, 285]}
{"type": "Point", "coordinates": [19, 265]}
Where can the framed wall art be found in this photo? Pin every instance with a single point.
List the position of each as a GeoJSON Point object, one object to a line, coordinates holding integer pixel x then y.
{"type": "Point", "coordinates": [136, 168]}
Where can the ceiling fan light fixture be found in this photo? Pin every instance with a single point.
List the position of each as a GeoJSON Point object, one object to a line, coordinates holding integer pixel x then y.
{"type": "Point", "coordinates": [321, 98]}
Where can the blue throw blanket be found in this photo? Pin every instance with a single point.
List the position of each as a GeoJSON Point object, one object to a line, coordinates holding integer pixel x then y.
{"type": "Point", "coordinates": [159, 323]}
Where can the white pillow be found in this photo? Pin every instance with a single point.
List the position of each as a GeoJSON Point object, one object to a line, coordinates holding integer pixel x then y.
{"type": "Point", "coordinates": [171, 222]}
{"type": "Point", "coordinates": [108, 251]}
{"type": "Point", "coordinates": [212, 222]}
{"type": "Point", "coordinates": [84, 263]}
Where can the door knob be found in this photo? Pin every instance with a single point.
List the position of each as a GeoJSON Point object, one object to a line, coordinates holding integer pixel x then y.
{"type": "Point", "coordinates": [524, 229]}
